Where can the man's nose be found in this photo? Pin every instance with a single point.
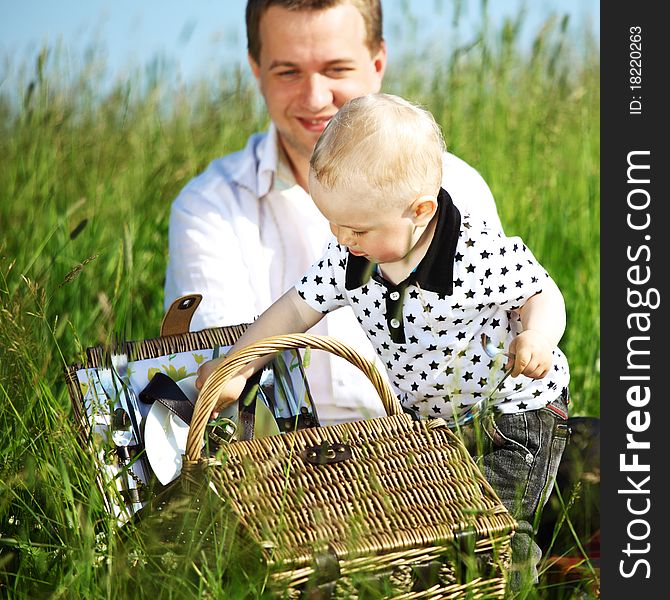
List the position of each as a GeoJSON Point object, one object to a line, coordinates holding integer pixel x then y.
{"type": "Point", "coordinates": [317, 93]}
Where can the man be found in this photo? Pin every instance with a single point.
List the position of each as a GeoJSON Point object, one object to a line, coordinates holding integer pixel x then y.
{"type": "Point", "coordinates": [245, 230]}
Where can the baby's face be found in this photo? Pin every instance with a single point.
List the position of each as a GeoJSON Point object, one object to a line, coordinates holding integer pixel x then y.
{"type": "Point", "coordinates": [382, 235]}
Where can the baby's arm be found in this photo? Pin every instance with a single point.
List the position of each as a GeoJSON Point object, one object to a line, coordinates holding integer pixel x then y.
{"type": "Point", "coordinates": [289, 314]}
{"type": "Point", "coordinates": [543, 320]}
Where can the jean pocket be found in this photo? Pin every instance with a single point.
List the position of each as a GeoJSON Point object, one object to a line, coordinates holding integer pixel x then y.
{"type": "Point", "coordinates": [507, 430]}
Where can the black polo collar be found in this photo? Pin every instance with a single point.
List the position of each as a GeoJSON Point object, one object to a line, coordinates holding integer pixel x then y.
{"type": "Point", "coordinates": [435, 272]}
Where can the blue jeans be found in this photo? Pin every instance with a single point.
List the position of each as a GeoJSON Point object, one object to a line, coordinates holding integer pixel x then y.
{"type": "Point", "coordinates": [519, 455]}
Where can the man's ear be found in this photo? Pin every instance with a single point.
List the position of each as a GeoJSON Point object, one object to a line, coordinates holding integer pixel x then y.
{"type": "Point", "coordinates": [255, 67]}
{"type": "Point", "coordinates": [423, 209]}
{"type": "Point", "coordinates": [379, 61]}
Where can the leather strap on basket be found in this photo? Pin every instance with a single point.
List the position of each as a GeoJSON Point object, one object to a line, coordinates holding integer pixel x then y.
{"type": "Point", "coordinates": [210, 391]}
{"type": "Point", "coordinates": [177, 319]}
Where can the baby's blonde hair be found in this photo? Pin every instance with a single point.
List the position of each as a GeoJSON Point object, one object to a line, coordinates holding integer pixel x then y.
{"type": "Point", "coordinates": [392, 145]}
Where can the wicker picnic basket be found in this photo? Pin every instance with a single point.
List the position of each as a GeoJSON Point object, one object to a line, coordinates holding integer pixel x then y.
{"type": "Point", "coordinates": [391, 499]}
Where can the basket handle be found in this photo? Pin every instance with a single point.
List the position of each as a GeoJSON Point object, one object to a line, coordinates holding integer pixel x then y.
{"type": "Point", "coordinates": [210, 391]}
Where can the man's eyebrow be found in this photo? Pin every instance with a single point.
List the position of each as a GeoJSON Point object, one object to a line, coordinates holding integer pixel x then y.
{"type": "Point", "coordinates": [287, 64]}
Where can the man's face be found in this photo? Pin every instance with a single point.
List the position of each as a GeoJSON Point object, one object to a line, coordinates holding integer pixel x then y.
{"type": "Point", "coordinates": [311, 63]}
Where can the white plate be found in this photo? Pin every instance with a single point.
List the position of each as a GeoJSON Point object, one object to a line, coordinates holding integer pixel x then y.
{"type": "Point", "coordinates": [165, 433]}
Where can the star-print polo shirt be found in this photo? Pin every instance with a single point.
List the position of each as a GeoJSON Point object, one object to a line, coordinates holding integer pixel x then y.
{"type": "Point", "coordinates": [427, 329]}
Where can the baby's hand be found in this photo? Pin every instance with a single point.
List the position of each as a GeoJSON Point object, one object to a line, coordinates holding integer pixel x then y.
{"type": "Point", "coordinates": [532, 355]}
{"type": "Point", "coordinates": [230, 392]}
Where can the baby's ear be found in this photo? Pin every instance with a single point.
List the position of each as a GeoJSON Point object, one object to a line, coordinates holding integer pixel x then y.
{"type": "Point", "coordinates": [423, 210]}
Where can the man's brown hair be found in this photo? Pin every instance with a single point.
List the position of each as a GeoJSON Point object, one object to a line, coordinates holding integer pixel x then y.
{"type": "Point", "coordinates": [371, 11]}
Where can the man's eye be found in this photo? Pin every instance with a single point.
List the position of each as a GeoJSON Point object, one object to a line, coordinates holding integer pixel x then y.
{"type": "Point", "coordinates": [286, 74]}
{"type": "Point", "coordinates": [358, 233]}
{"type": "Point", "coordinates": [339, 71]}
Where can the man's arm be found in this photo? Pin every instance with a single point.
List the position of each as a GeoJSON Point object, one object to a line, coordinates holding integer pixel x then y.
{"type": "Point", "coordinates": [210, 255]}
{"type": "Point", "coordinates": [289, 314]}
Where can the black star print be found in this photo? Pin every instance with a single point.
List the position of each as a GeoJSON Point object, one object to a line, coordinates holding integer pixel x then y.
{"type": "Point", "coordinates": [518, 386]}
{"type": "Point", "coordinates": [488, 273]}
{"type": "Point", "coordinates": [439, 387]}
{"type": "Point", "coordinates": [427, 308]}
{"type": "Point", "coordinates": [377, 304]}
{"type": "Point", "coordinates": [461, 335]}
{"type": "Point", "coordinates": [469, 294]}
{"type": "Point", "coordinates": [414, 294]}
{"type": "Point", "coordinates": [379, 326]}
{"type": "Point", "coordinates": [320, 299]}
{"type": "Point", "coordinates": [504, 271]}
{"type": "Point", "coordinates": [424, 375]}
{"type": "Point", "coordinates": [518, 284]}
{"type": "Point", "coordinates": [441, 318]}
{"type": "Point", "coordinates": [354, 300]}
{"type": "Point", "coordinates": [365, 290]}
{"type": "Point", "coordinates": [485, 254]}
{"type": "Point", "coordinates": [502, 251]}
{"type": "Point", "coordinates": [433, 365]}
{"type": "Point", "coordinates": [389, 365]}
{"type": "Point", "coordinates": [385, 346]}
{"type": "Point", "coordinates": [333, 282]}
{"type": "Point", "coordinates": [458, 257]}
{"type": "Point", "coordinates": [476, 359]}
{"type": "Point", "coordinates": [495, 323]}
{"type": "Point", "coordinates": [470, 243]}
{"type": "Point", "coordinates": [366, 312]}
{"type": "Point", "coordinates": [318, 280]}
{"type": "Point", "coordinates": [396, 356]}
{"type": "Point", "coordinates": [502, 289]}
{"type": "Point", "coordinates": [482, 381]}
{"type": "Point", "coordinates": [537, 393]}
{"type": "Point", "coordinates": [457, 306]}
{"type": "Point", "coordinates": [432, 348]}
{"type": "Point", "coordinates": [415, 387]}
{"type": "Point", "coordinates": [522, 406]}
{"type": "Point", "coordinates": [343, 263]}
{"type": "Point", "coordinates": [466, 224]}
{"type": "Point", "coordinates": [458, 282]}
{"type": "Point", "coordinates": [408, 368]}
{"type": "Point", "coordinates": [481, 307]}
{"type": "Point", "coordinates": [488, 291]}
{"type": "Point", "coordinates": [436, 409]}
{"type": "Point", "coordinates": [339, 297]}
{"type": "Point", "coordinates": [302, 295]}
{"type": "Point", "coordinates": [468, 376]}
{"type": "Point", "coordinates": [458, 321]}
{"type": "Point", "coordinates": [372, 332]}
{"type": "Point", "coordinates": [516, 247]}
{"type": "Point", "coordinates": [470, 268]}
{"type": "Point", "coordinates": [303, 280]}
{"type": "Point", "coordinates": [519, 267]}
{"type": "Point", "coordinates": [320, 264]}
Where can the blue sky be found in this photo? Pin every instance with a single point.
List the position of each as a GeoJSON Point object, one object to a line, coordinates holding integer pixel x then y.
{"type": "Point", "coordinates": [193, 36]}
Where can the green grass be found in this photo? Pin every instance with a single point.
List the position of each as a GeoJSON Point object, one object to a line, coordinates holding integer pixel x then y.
{"type": "Point", "coordinates": [85, 189]}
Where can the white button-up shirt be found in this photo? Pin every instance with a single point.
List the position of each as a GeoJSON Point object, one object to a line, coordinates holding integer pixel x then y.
{"type": "Point", "coordinates": [243, 232]}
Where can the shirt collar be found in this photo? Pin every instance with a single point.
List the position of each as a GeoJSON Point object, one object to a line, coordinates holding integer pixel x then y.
{"type": "Point", "coordinates": [268, 158]}
{"type": "Point", "coordinates": [435, 272]}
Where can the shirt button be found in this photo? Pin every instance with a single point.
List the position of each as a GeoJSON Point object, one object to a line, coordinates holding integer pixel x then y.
{"type": "Point", "coordinates": [395, 323]}
{"type": "Point", "coordinates": [395, 295]}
